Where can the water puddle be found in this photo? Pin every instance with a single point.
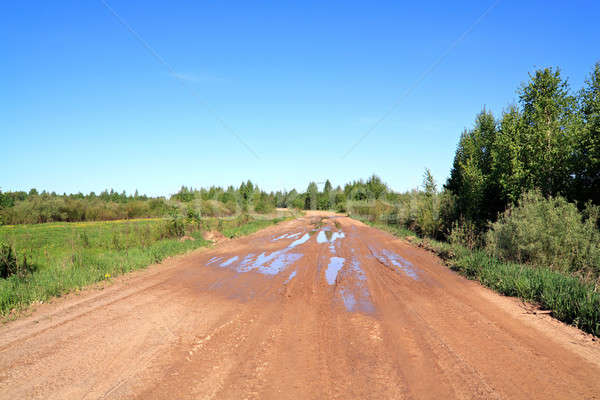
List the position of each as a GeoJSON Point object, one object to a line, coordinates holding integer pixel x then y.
{"type": "Point", "coordinates": [321, 237]}
{"type": "Point", "coordinates": [244, 265]}
{"type": "Point", "coordinates": [279, 263]}
{"type": "Point", "coordinates": [292, 275]}
{"type": "Point", "coordinates": [229, 262]}
{"type": "Point", "coordinates": [390, 258]}
{"type": "Point", "coordinates": [214, 260]}
{"type": "Point", "coordinates": [327, 236]}
{"type": "Point", "coordinates": [337, 235]}
{"type": "Point", "coordinates": [298, 242]}
{"type": "Point", "coordinates": [265, 263]}
{"type": "Point", "coordinates": [280, 237]}
{"type": "Point", "coordinates": [348, 299]}
{"type": "Point", "coordinates": [286, 236]}
{"type": "Point", "coordinates": [358, 299]}
{"type": "Point", "coordinates": [357, 270]}
{"type": "Point", "coordinates": [335, 264]}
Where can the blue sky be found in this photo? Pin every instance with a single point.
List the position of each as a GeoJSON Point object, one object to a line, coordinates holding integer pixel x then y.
{"type": "Point", "coordinates": [84, 106]}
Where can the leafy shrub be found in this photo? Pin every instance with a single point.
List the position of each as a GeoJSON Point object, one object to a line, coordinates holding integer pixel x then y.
{"type": "Point", "coordinates": [263, 207]}
{"type": "Point", "coordinates": [192, 215]}
{"type": "Point", "coordinates": [175, 227]}
{"type": "Point", "coordinates": [547, 232]}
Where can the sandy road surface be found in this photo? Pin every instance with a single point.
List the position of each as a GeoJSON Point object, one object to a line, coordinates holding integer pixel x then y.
{"type": "Point", "coordinates": [296, 311]}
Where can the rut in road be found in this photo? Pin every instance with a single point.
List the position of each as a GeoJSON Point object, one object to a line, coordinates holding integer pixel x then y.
{"type": "Point", "coordinates": [309, 309]}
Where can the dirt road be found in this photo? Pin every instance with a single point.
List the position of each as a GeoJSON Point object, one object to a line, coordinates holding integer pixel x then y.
{"type": "Point", "coordinates": [302, 310]}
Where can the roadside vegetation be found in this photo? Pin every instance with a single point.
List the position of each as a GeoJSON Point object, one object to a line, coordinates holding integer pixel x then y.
{"type": "Point", "coordinates": [34, 207]}
{"type": "Point", "coordinates": [520, 210]}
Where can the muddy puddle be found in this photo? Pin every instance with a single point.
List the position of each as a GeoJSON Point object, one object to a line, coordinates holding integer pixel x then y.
{"type": "Point", "coordinates": [334, 266]}
{"type": "Point", "coordinates": [391, 259]}
{"type": "Point", "coordinates": [286, 236]}
{"type": "Point", "coordinates": [355, 293]}
{"type": "Point", "coordinates": [292, 275]}
{"type": "Point", "coordinates": [266, 263]}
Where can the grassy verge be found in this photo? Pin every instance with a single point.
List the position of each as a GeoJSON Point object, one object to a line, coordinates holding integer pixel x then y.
{"type": "Point", "coordinates": [569, 298]}
{"type": "Point", "coordinates": [69, 256]}
{"type": "Point", "coordinates": [250, 227]}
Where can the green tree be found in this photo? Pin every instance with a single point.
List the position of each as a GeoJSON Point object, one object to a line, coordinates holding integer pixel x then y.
{"type": "Point", "coordinates": [312, 194]}
{"type": "Point", "coordinates": [508, 168]}
{"type": "Point", "coordinates": [550, 125]}
{"type": "Point", "coordinates": [428, 218]}
{"type": "Point", "coordinates": [471, 179]}
{"type": "Point", "coordinates": [328, 187]}
{"type": "Point", "coordinates": [588, 149]}
{"type": "Point", "coordinates": [375, 187]}
{"type": "Point", "coordinates": [429, 185]}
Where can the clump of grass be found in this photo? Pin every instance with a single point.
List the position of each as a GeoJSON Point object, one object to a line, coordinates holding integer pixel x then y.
{"type": "Point", "coordinates": [244, 226]}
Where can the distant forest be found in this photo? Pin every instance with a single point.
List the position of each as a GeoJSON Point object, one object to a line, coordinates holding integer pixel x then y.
{"type": "Point", "coordinates": [40, 207]}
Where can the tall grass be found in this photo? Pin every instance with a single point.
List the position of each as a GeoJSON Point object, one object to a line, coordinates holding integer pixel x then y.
{"type": "Point", "coordinates": [570, 299]}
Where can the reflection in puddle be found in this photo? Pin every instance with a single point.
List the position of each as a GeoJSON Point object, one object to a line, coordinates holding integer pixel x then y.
{"type": "Point", "coordinates": [355, 267]}
{"type": "Point", "coordinates": [279, 263]}
{"type": "Point", "coordinates": [335, 264]}
{"type": "Point", "coordinates": [348, 298]}
{"type": "Point", "coordinates": [280, 237]}
{"type": "Point", "coordinates": [321, 238]}
{"type": "Point", "coordinates": [337, 235]}
{"type": "Point", "coordinates": [356, 298]}
{"type": "Point", "coordinates": [230, 261]}
{"type": "Point", "coordinates": [292, 275]}
{"type": "Point", "coordinates": [327, 236]}
{"type": "Point", "coordinates": [214, 260]}
{"type": "Point", "coordinates": [286, 236]}
{"type": "Point", "coordinates": [268, 263]}
{"type": "Point", "coordinates": [299, 241]}
{"type": "Point", "coordinates": [243, 266]}
{"type": "Point", "coordinates": [389, 258]}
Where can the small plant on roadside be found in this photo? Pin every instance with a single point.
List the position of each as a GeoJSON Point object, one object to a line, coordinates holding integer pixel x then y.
{"type": "Point", "coordinates": [464, 233]}
{"type": "Point", "coordinates": [176, 226]}
{"type": "Point", "coordinates": [85, 239]}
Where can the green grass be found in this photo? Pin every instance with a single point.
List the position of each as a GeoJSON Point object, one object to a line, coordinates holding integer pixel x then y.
{"type": "Point", "coordinates": [396, 230]}
{"type": "Point", "coordinates": [250, 227]}
{"type": "Point", "coordinates": [569, 298]}
{"type": "Point", "coordinates": [68, 256]}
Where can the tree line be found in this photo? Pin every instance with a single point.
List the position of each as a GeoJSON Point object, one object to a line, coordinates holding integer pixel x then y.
{"type": "Point", "coordinates": [39, 207]}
